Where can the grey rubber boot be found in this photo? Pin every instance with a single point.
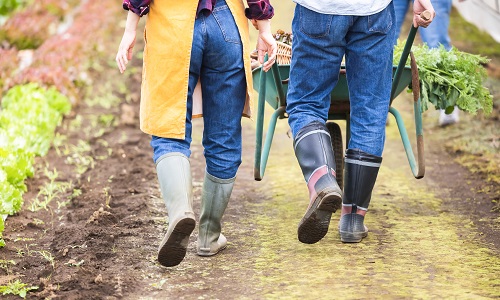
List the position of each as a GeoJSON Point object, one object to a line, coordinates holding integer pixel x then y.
{"type": "Point", "coordinates": [314, 152]}
{"type": "Point", "coordinates": [214, 200]}
{"type": "Point", "coordinates": [174, 176]}
{"type": "Point", "coordinates": [360, 173]}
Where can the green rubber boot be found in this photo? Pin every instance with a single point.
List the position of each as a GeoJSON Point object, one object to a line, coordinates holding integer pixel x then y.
{"type": "Point", "coordinates": [214, 200]}
{"type": "Point", "coordinates": [174, 176]}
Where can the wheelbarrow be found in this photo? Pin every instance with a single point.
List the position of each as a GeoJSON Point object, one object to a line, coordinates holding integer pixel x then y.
{"type": "Point", "coordinates": [272, 87]}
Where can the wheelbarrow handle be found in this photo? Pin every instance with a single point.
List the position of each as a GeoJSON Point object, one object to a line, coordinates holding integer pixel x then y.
{"type": "Point", "coordinates": [417, 166]}
{"type": "Point", "coordinates": [406, 51]}
{"type": "Point", "coordinates": [417, 108]}
{"type": "Point", "coordinates": [426, 15]}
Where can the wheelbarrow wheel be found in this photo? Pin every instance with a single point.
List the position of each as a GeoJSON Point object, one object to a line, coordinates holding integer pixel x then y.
{"type": "Point", "coordinates": [338, 149]}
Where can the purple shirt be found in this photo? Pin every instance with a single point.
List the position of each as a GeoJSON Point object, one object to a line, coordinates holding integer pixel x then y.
{"type": "Point", "coordinates": [257, 9]}
{"type": "Point", "coordinates": [205, 4]}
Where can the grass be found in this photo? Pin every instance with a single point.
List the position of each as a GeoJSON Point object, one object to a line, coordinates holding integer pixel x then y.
{"type": "Point", "coordinates": [468, 37]}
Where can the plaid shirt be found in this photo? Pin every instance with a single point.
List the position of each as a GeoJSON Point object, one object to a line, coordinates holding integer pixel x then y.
{"type": "Point", "coordinates": [257, 9]}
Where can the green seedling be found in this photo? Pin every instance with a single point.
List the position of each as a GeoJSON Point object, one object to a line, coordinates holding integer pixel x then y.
{"type": "Point", "coordinates": [20, 252]}
{"type": "Point", "coordinates": [74, 194]}
{"type": "Point", "coordinates": [123, 138]}
{"type": "Point", "coordinates": [74, 263]}
{"type": "Point", "coordinates": [37, 221]}
{"type": "Point", "coordinates": [78, 156]}
{"type": "Point", "coordinates": [76, 123]}
{"type": "Point", "coordinates": [58, 142]}
{"type": "Point", "coordinates": [105, 101]}
{"type": "Point", "coordinates": [52, 190]}
{"type": "Point", "coordinates": [23, 239]}
{"type": "Point", "coordinates": [4, 264]}
{"type": "Point", "coordinates": [107, 195]}
{"type": "Point", "coordinates": [47, 256]}
{"type": "Point", "coordinates": [107, 120]}
{"type": "Point", "coordinates": [17, 288]}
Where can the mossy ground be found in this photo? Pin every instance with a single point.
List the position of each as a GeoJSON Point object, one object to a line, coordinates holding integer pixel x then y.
{"type": "Point", "coordinates": [415, 248]}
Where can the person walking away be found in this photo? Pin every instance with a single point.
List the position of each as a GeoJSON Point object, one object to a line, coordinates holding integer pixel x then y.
{"type": "Point", "coordinates": [435, 35]}
{"type": "Point", "coordinates": [187, 42]}
{"type": "Point", "coordinates": [324, 32]}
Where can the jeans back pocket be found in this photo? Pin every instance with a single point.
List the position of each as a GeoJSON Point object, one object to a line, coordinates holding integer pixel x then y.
{"type": "Point", "coordinates": [382, 21]}
{"type": "Point", "coordinates": [227, 25]}
{"type": "Point", "coordinates": [314, 24]}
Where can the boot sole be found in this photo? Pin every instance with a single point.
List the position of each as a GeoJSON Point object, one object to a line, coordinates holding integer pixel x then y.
{"type": "Point", "coordinates": [314, 225]}
{"type": "Point", "coordinates": [349, 237]}
{"type": "Point", "coordinates": [174, 246]}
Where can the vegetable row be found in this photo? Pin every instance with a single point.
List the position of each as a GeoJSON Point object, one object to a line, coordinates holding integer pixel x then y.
{"type": "Point", "coordinates": [29, 115]}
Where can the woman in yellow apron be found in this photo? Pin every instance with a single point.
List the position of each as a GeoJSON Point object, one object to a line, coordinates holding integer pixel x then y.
{"type": "Point", "coordinates": [190, 42]}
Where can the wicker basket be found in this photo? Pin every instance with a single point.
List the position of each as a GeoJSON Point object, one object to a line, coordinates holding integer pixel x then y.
{"type": "Point", "coordinates": [284, 55]}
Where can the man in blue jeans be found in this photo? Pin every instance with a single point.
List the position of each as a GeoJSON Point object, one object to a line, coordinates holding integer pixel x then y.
{"type": "Point", "coordinates": [434, 36]}
{"type": "Point", "coordinates": [324, 32]}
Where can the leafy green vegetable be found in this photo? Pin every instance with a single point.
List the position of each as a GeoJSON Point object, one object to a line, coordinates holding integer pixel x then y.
{"type": "Point", "coordinates": [450, 78]}
{"type": "Point", "coordinates": [29, 115]}
{"type": "Point", "coordinates": [17, 165]}
{"type": "Point", "coordinates": [2, 242]}
{"type": "Point", "coordinates": [11, 199]}
{"type": "Point", "coordinates": [7, 6]}
{"type": "Point", "coordinates": [16, 288]}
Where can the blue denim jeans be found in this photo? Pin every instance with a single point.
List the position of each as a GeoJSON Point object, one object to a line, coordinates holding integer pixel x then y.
{"type": "Point", "coordinates": [437, 32]}
{"type": "Point", "coordinates": [216, 59]}
{"type": "Point", "coordinates": [320, 42]}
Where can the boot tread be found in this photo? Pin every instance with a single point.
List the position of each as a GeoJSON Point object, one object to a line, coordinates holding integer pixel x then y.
{"type": "Point", "coordinates": [174, 246]}
{"type": "Point", "coordinates": [314, 225]}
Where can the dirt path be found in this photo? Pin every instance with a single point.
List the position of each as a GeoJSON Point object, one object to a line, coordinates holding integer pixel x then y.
{"type": "Point", "coordinates": [426, 240]}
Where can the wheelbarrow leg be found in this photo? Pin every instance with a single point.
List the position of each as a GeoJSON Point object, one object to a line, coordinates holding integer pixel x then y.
{"type": "Point", "coordinates": [260, 126]}
{"type": "Point", "coordinates": [262, 153]}
{"type": "Point", "coordinates": [418, 172]}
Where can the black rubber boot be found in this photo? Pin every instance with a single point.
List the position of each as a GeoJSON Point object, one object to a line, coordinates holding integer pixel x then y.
{"type": "Point", "coordinates": [313, 149]}
{"type": "Point", "coordinates": [360, 174]}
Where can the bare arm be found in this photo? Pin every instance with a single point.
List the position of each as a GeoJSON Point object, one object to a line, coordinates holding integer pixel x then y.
{"type": "Point", "coordinates": [127, 44]}
{"type": "Point", "coordinates": [265, 43]}
{"type": "Point", "coordinates": [260, 13]}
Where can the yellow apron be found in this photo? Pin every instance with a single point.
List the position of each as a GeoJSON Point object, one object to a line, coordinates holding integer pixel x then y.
{"type": "Point", "coordinates": [169, 36]}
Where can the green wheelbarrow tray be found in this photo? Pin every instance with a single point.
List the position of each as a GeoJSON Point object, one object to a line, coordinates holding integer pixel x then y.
{"type": "Point", "coordinates": [272, 87]}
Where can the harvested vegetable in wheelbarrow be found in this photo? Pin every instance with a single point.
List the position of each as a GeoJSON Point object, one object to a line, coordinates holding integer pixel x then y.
{"type": "Point", "coordinates": [284, 37]}
{"type": "Point", "coordinates": [450, 78]}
